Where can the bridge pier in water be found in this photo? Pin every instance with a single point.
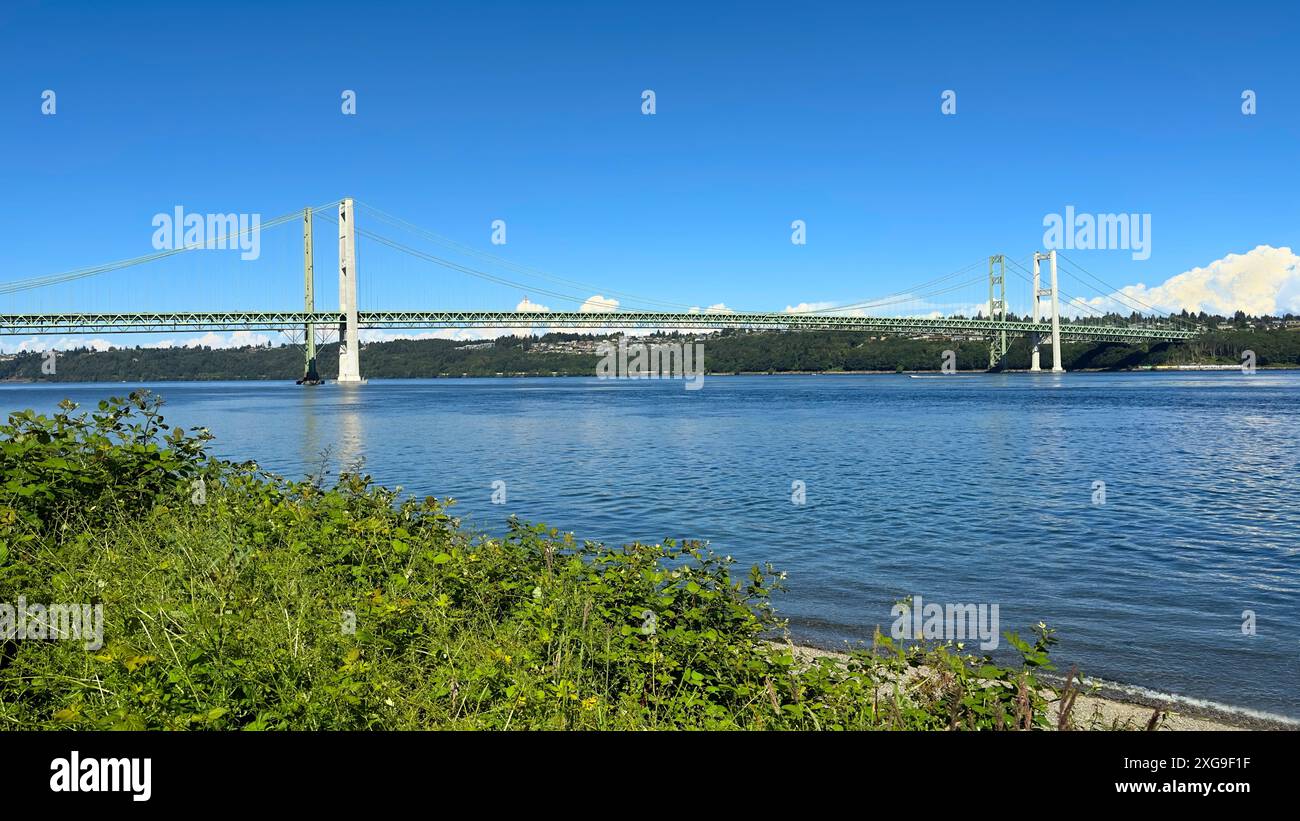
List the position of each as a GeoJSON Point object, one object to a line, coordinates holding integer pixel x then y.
{"type": "Point", "coordinates": [1035, 365]}
{"type": "Point", "coordinates": [349, 338]}
{"type": "Point", "coordinates": [309, 374]}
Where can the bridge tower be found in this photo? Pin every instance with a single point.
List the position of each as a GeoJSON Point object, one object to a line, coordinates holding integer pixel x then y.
{"type": "Point", "coordinates": [349, 341]}
{"type": "Point", "coordinates": [1039, 293]}
{"type": "Point", "coordinates": [997, 308]}
{"type": "Point", "coordinates": [309, 374]}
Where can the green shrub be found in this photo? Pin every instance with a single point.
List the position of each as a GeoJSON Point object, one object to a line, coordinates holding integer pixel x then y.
{"type": "Point", "coordinates": [233, 608]}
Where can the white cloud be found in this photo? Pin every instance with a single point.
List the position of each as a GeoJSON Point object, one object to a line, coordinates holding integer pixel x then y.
{"type": "Point", "coordinates": [1264, 280]}
{"type": "Point", "coordinates": [215, 339]}
{"type": "Point", "coordinates": [528, 305]}
{"type": "Point", "coordinates": [594, 304]}
{"type": "Point", "coordinates": [55, 343]}
{"type": "Point", "coordinates": [232, 339]}
{"type": "Point", "coordinates": [598, 305]}
{"type": "Point", "coordinates": [718, 308]}
{"type": "Point", "coordinates": [809, 307]}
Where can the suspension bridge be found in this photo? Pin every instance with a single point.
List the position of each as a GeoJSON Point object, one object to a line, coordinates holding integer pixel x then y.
{"type": "Point", "coordinates": [1043, 326]}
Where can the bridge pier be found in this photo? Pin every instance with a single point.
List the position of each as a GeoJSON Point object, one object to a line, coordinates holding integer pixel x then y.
{"type": "Point", "coordinates": [997, 309]}
{"type": "Point", "coordinates": [309, 374]}
{"type": "Point", "coordinates": [1056, 319]}
{"type": "Point", "coordinates": [1035, 363]}
{"type": "Point", "coordinates": [349, 339]}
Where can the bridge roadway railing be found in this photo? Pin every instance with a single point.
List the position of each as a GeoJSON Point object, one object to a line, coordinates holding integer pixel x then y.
{"type": "Point", "coordinates": [26, 324]}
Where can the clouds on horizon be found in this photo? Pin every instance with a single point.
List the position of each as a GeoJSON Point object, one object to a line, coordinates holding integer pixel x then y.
{"type": "Point", "coordinates": [1263, 281]}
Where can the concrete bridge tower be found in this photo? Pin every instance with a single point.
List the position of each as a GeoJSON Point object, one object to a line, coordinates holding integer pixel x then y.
{"type": "Point", "coordinates": [1039, 293]}
{"type": "Point", "coordinates": [349, 341]}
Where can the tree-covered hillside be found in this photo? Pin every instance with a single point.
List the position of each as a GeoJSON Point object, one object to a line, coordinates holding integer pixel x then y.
{"type": "Point", "coordinates": [574, 355]}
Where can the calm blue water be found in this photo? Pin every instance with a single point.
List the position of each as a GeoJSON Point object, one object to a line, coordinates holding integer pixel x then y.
{"type": "Point", "coordinates": [961, 489]}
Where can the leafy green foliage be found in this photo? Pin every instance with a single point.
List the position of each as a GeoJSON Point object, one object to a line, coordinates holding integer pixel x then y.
{"type": "Point", "coordinates": [236, 611]}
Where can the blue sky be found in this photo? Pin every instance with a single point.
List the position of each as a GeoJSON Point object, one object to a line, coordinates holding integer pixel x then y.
{"type": "Point", "coordinates": [531, 113]}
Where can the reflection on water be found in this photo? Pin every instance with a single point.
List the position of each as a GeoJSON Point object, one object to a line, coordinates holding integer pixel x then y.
{"type": "Point", "coordinates": [330, 436]}
{"type": "Point", "coordinates": [349, 439]}
{"type": "Point", "coordinates": [960, 490]}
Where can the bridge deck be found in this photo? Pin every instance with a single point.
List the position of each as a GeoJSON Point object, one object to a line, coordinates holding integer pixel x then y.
{"type": "Point", "coordinates": [14, 324]}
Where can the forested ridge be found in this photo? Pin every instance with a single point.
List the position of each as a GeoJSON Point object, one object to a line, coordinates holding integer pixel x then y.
{"type": "Point", "coordinates": [574, 355]}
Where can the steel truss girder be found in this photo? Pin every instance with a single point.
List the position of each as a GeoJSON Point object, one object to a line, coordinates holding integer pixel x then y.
{"type": "Point", "coordinates": [14, 324]}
